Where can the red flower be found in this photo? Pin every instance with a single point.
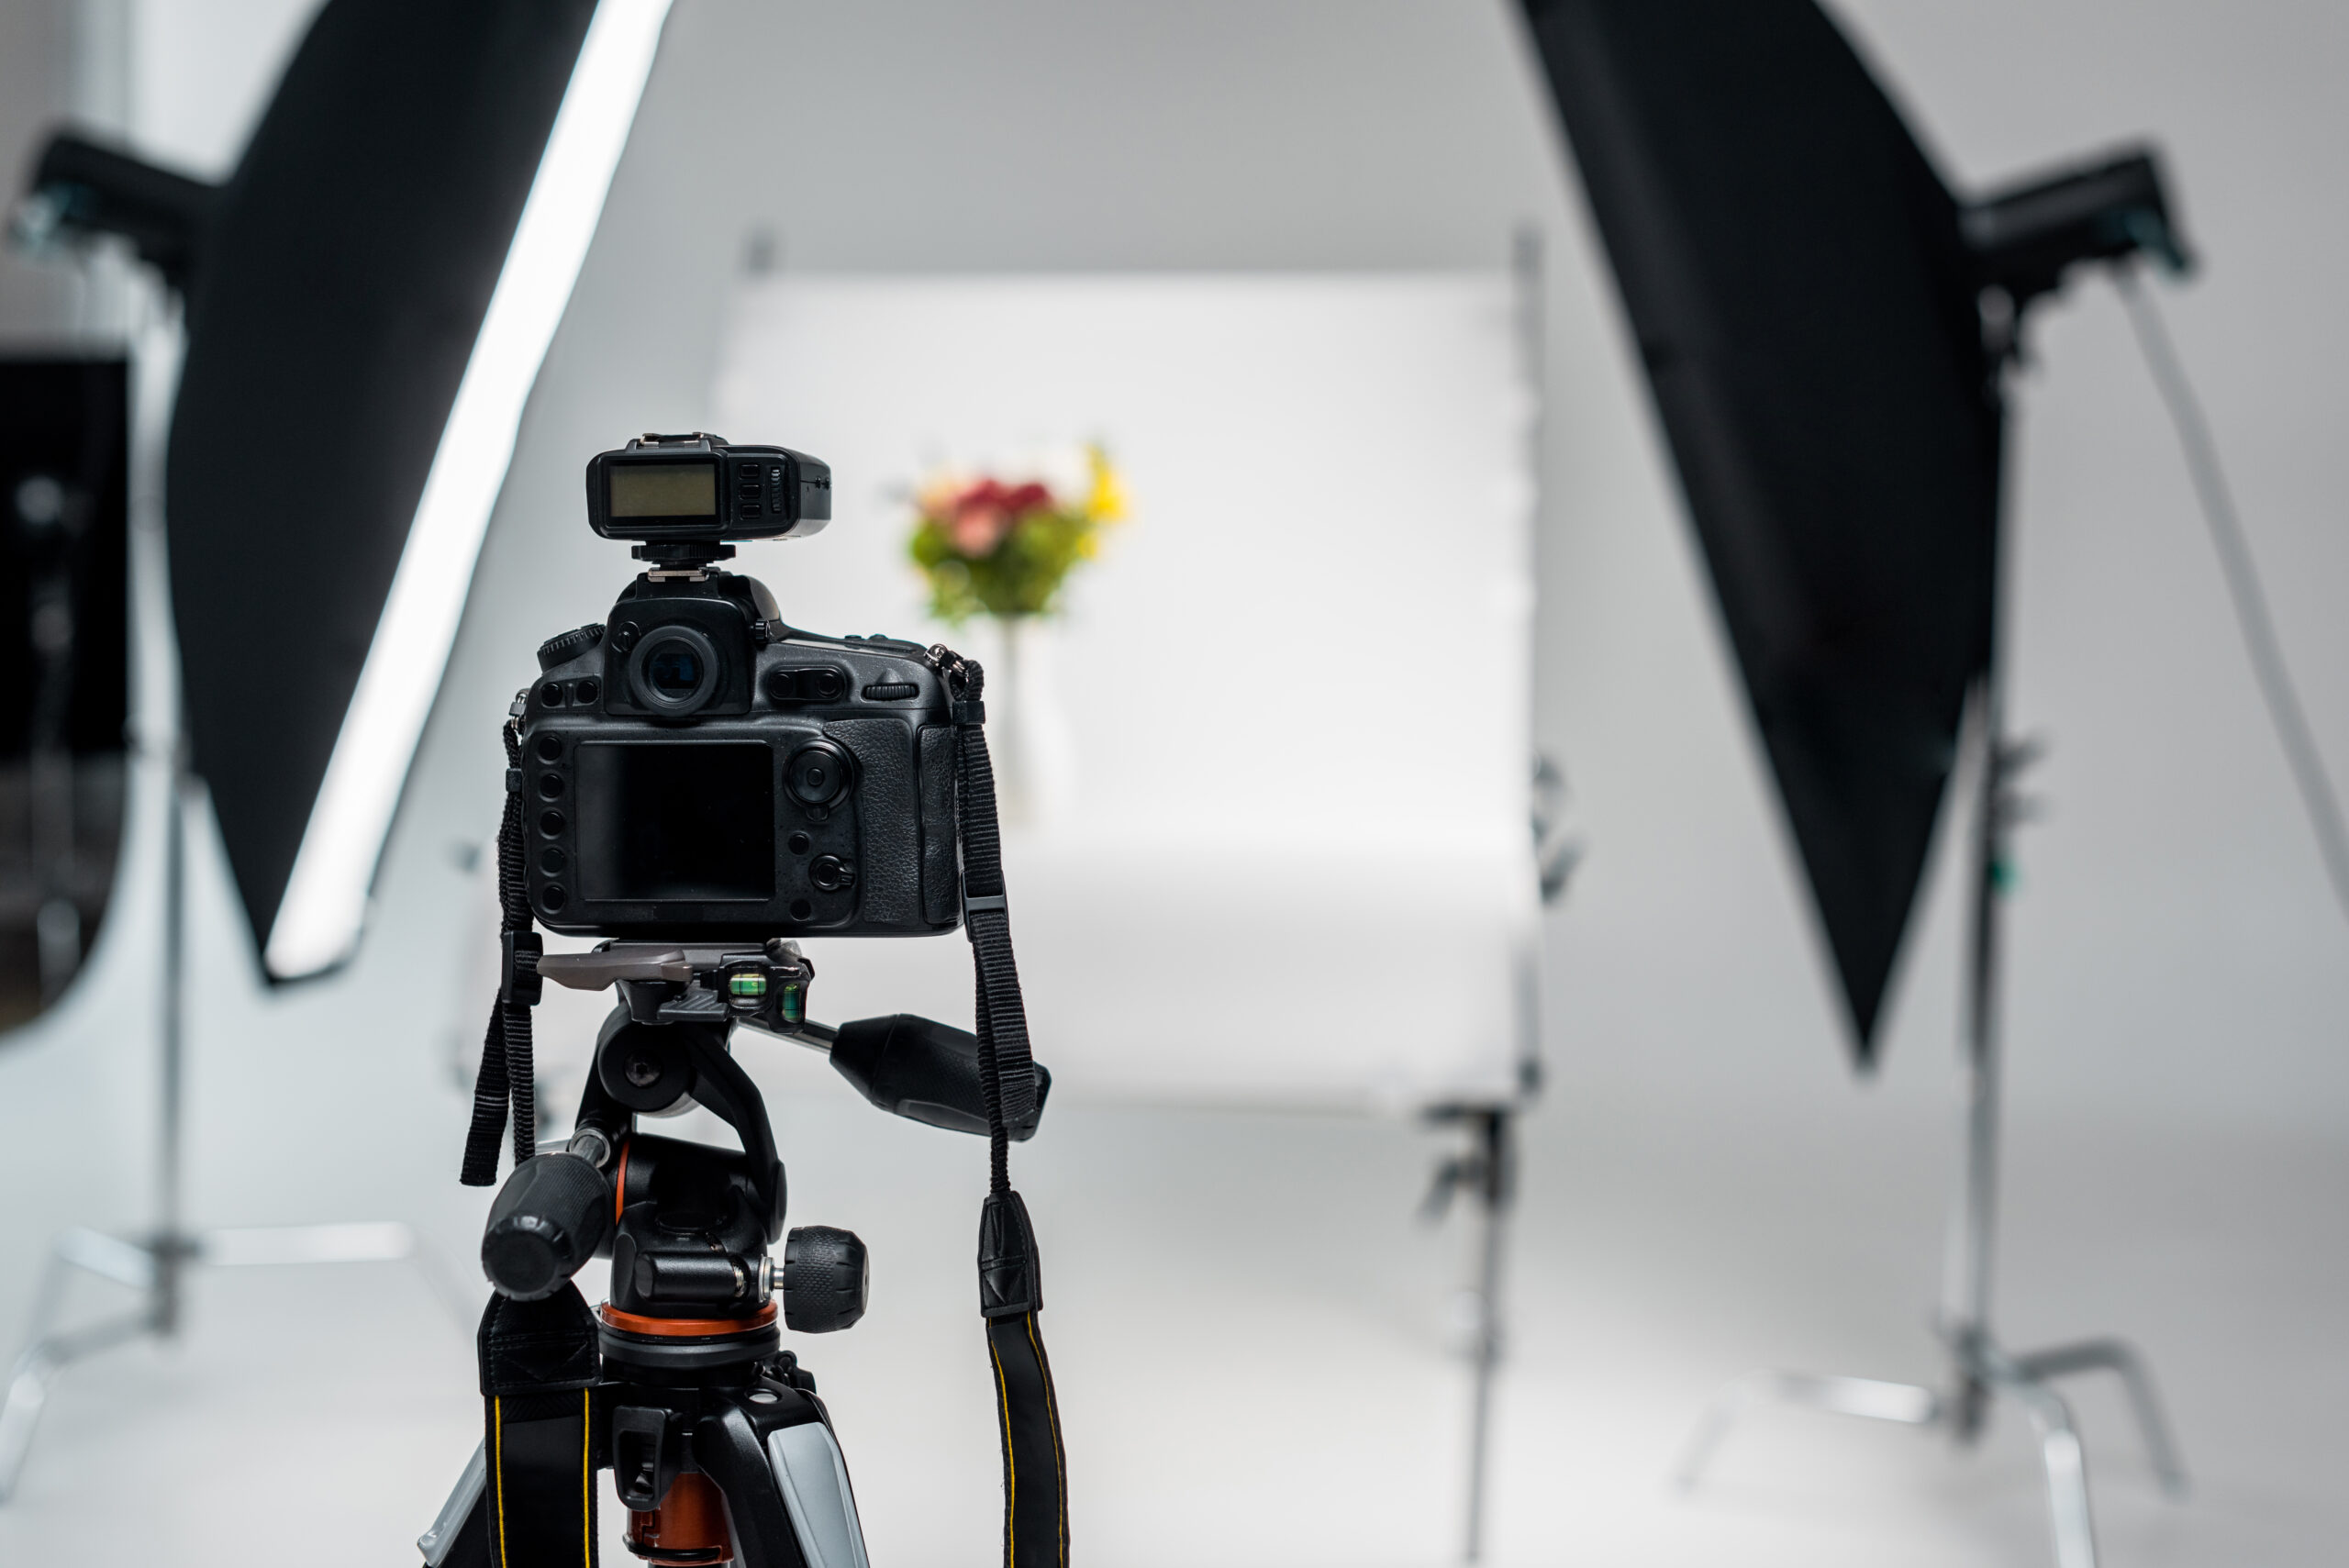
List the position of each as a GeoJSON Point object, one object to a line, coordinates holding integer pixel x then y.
{"type": "Point", "coordinates": [979, 517]}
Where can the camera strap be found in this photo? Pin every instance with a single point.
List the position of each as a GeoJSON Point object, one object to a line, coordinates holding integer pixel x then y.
{"type": "Point", "coordinates": [537, 1377]}
{"type": "Point", "coordinates": [1035, 1479]}
{"type": "Point", "coordinates": [506, 1083]}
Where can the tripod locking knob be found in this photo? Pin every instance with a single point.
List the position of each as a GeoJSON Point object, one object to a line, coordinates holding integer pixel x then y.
{"type": "Point", "coordinates": [550, 1218]}
{"type": "Point", "coordinates": [823, 1280]}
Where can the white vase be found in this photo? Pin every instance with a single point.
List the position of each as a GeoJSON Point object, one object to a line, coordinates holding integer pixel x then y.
{"type": "Point", "coordinates": [1027, 735]}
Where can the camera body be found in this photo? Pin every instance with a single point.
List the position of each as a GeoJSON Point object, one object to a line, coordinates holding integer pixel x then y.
{"type": "Point", "coordinates": [694, 767]}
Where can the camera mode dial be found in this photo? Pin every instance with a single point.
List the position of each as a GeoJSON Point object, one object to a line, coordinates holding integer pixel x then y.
{"type": "Point", "coordinates": [570, 645]}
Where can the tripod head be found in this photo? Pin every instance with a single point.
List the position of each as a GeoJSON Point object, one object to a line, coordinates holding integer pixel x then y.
{"type": "Point", "coordinates": [688, 1226]}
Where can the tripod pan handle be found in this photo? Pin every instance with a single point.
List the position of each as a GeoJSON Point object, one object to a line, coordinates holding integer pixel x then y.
{"type": "Point", "coordinates": [925, 1071]}
{"type": "Point", "coordinates": [550, 1216]}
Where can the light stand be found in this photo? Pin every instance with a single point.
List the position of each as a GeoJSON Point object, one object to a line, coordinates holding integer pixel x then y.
{"type": "Point", "coordinates": [1981, 1369]}
{"type": "Point", "coordinates": [155, 1266]}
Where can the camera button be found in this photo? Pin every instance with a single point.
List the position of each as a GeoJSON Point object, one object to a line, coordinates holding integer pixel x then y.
{"type": "Point", "coordinates": [550, 787]}
{"type": "Point", "coordinates": [818, 773]}
{"type": "Point", "coordinates": [552, 861]}
{"type": "Point", "coordinates": [830, 874]}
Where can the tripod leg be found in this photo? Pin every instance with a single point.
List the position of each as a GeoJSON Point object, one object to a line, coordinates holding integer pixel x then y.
{"type": "Point", "coordinates": [460, 1534]}
{"type": "Point", "coordinates": [787, 1490]}
{"type": "Point", "coordinates": [2067, 1472]}
{"type": "Point", "coordinates": [2119, 1358]}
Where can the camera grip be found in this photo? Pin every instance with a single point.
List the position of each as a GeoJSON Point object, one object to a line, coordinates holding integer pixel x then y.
{"type": "Point", "coordinates": [549, 1218]}
{"type": "Point", "coordinates": [925, 1071]}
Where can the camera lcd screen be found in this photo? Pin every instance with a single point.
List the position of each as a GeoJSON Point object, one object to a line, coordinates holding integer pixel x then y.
{"type": "Point", "coordinates": [661, 489]}
{"type": "Point", "coordinates": [677, 819]}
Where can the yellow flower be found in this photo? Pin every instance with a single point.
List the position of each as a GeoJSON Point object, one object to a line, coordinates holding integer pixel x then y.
{"type": "Point", "coordinates": [1106, 503]}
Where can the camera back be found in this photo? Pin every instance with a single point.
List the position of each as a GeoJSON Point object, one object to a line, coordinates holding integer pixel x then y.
{"type": "Point", "coordinates": [693, 767]}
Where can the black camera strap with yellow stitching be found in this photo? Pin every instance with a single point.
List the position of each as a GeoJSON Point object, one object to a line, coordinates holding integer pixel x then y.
{"type": "Point", "coordinates": [1035, 1478]}
{"type": "Point", "coordinates": [538, 1366]}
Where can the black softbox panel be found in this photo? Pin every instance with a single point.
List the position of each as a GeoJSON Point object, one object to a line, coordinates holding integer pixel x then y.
{"type": "Point", "coordinates": [65, 699]}
{"type": "Point", "coordinates": [337, 292]}
{"type": "Point", "coordinates": [1806, 312]}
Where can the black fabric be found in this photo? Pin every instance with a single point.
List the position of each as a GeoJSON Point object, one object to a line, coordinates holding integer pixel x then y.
{"type": "Point", "coordinates": [507, 1081]}
{"type": "Point", "coordinates": [1035, 1471]}
{"type": "Point", "coordinates": [1805, 309]}
{"type": "Point", "coordinates": [342, 281]}
{"type": "Point", "coordinates": [538, 1369]}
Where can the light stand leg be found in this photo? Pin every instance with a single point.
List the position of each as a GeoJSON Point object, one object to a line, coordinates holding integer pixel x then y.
{"type": "Point", "coordinates": [46, 1353]}
{"type": "Point", "coordinates": [2067, 1472]}
{"type": "Point", "coordinates": [1980, 1369]}
{"type": "Point", "coordinates": [1908, 1404]}
{"type": "Point", "coordinates": [2121, 1358]}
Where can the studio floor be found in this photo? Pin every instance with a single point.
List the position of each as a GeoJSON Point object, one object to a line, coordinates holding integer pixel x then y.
{"type": "Point", "coordinates": [1258, 1339]}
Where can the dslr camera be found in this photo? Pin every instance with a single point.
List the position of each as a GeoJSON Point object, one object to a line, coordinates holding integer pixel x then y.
{"type": "Point", "coordinates": [695, 768]}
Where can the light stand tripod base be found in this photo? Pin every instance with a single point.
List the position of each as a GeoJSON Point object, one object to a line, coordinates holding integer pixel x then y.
{"type": "Point", "coordinates": [152, 1268]}
{"type": "Point", "coordinates": [1984, 1372]}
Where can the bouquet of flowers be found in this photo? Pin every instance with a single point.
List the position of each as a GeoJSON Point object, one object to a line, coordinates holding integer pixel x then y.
{"type": "Point", "coordinates": [998, 546]}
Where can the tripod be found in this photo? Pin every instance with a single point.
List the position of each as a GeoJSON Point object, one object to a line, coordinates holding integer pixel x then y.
{"type": "Point", "coordinates": [719, 1446]}
{"type": "Point", "coordinates": [156, 1265]}
{"type": "Point", "coordinates": [1981, 1369]}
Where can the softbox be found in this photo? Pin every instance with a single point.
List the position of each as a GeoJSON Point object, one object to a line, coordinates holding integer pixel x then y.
{"type": "Point", "coordinates": [1805, 303]}
{"type": "Point", "coordinates": [339, 288]}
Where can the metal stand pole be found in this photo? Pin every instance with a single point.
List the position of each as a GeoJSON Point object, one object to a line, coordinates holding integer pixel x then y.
{"type": "Point", "coordinates": [1980, 1369]}
{"type": "Point", "coordinates": [156, 1267]}
{"type": "Point", "coordinates": [1486, 1171]}
{"type": "Point", "coordinates": [1493, 1195]}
